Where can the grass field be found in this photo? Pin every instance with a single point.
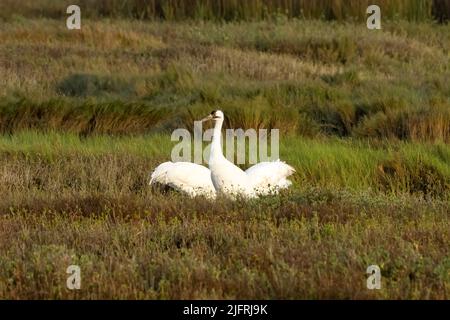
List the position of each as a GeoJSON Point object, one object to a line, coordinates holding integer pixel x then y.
{"type": "Point", "coordinates": [86, 202]}
{"type": "Point", "coordinates": [364, 117]}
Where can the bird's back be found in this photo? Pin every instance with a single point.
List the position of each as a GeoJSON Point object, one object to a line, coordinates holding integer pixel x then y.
{"type": "Point", "coordinates": [188, 177]}
{"type": "Point", "coordinates": [270, 177]}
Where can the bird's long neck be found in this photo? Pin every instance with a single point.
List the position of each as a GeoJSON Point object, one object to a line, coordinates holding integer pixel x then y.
{"type": "Point", "coordinates": [216, 145]}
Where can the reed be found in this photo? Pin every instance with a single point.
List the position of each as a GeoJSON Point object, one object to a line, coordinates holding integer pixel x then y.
{"type": "Point", "coordinates": [309, 78]}
{"type": "Point", "coordinates": [413, 10]}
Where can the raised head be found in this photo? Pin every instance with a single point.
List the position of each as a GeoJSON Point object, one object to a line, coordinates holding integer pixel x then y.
{"type": "Point", "coordinates": [214, 115]}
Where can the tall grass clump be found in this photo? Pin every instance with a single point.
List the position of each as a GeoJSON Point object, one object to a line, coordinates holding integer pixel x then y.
{"type": "Point", "coordinates": [85, 118]}
{"type": "Point", "coordinates": [431, 123]}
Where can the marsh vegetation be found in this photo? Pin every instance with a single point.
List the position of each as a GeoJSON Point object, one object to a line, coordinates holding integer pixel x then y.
{"type": "Point", "coordinates": [364, 117]}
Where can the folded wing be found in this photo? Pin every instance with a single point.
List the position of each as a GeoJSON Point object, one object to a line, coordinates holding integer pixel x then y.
{"type": "Point", "coordinates": [270, 177]}
{"type": "Point", "coordinates": [186, 177]}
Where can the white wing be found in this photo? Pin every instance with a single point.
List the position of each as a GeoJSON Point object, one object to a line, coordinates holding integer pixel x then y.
{"type": "Point", "coordinates": [230, 180]}
{"type": "Point", "coordinates": [270, 177]}
{"type": "Point", "coordinates": [187, 177]}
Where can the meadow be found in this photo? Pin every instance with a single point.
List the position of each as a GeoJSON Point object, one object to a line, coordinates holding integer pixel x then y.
{"type": "Point", "coordinates": [86, 201]}
{"type": "Point", "coordinates": [364, 117]}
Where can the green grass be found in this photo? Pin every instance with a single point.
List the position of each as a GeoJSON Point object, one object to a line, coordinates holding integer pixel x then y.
{"type": "Point", "coordinates": [86, 201]}
{"type": "Point", "coordinates": [332, 163]}
{"type": "Point", "coordinates": [131, 77]}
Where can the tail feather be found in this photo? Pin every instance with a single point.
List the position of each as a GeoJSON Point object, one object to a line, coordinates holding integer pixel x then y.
{"type": "Point", "coordinates": [159, 175]}
{"type": "Point", "coordinates": [270, 177]}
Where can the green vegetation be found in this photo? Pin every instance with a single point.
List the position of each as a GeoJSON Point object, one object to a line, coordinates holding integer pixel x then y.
{"type": "Point", "coordinates": [392, 168]}
{"type": "Point", "coordinates": [308, 78]}
{"type": "Point", "coordinates": [86, 115]}
{"type": "Point", "coordinates": [312, 244]}
{"type": "Point", "coordinates": [67, 200]}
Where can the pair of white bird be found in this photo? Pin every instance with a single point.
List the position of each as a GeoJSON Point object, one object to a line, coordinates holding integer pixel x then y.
{"type": "Point", "coordinates": [222, 176]}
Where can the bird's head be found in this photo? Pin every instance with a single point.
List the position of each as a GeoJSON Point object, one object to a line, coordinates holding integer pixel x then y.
{"type": "Point", "coordinates": [215, 116]}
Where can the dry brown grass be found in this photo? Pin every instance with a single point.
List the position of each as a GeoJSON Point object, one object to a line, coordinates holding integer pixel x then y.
{"type": "Point", "coordinates": [306, 245]}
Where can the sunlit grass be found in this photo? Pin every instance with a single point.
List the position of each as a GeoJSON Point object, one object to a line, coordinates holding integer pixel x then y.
{"type": "Point", "coordinates": [339, 163]}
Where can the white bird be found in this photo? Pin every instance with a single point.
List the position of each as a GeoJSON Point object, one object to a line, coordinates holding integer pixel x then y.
{"type": "Point", "coordinates": [269, 177]}
{"type": "Point", "coordinates": [223, 176]}
{"type": "Point", "coordinates": [261, 179]}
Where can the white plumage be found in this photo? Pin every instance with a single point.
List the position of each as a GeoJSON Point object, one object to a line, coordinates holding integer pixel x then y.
{"type": "Point", "coordinates": [270, 176]}
{"type": "Point", "coordinates": [223, 176]}
{"type": "Point", "coordinates": [226, 177]}
{"type": "Point", "coordinates": [187, 177]}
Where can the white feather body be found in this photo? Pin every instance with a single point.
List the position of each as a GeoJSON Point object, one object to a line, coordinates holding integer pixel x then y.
{"type": "Point", "coordinates": [223, 176]}
{"type": "Point", "coordinates": [269, 177]}
{"type": "Point", "coordinates": [187, 177]}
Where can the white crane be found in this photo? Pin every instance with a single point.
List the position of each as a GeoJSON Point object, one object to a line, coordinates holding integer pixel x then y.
{"type": "Point", "coordinates": [223, 176]}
